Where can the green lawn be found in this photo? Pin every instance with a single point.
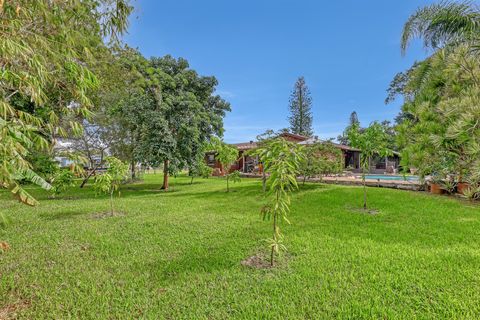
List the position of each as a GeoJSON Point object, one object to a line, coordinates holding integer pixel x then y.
{"type": "Point", "coordinates": [177, 255]}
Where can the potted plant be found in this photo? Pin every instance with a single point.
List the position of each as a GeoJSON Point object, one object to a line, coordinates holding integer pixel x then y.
{"type": "Point", "coordinates": [449, 185]}
{"type": "Point", "coordinates": [442, 180]}
{"type": "Point", "coordinates": [436, 188]}
{"type": "Point", "coordinates": [462, 187]}
{"type": "Point", "coordinates": [436, 184]}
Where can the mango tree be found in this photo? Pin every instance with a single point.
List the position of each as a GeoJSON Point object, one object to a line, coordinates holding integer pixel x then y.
{"type": "Point", "coordinates": [227, 155]}
{"type": "Point", "coordinates": [320, 158]}
{"type": "Point", "coordinates": [109, 182]}
{"type": "Point", "coordinates": [281, 160]}
{"type": "Point", "coordinates": [372, 141]}
{"type": "Point", "coordinates": [199, 169]}
{"type": "Point", "coordinates": [63, 179]}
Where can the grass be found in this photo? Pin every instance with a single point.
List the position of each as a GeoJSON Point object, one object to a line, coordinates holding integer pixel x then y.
{"type": "Point", "coordinates": [177, 255]}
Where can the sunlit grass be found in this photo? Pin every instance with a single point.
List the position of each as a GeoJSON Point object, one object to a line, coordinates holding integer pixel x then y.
{"type": "Point", "coordinates": [177, 255]}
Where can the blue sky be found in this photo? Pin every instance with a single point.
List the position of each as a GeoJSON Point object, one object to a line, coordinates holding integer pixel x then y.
{"type": "Point", "coordinates": [348, 51]}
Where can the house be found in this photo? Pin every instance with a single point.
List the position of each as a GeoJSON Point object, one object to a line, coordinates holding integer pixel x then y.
{"type": "Point", "coordinates": [64, 147]}
{"type": "Point", "coordinates": [248, 164]}
{"type": "Point", "coordinates": [351, 155]}
{"type": "Point", "coordinates": [245, 162]}
{"type": "Point", "coordinates": [378, 165]}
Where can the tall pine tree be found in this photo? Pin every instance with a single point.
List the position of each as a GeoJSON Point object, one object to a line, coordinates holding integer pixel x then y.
{"type": "Point", "coordinates": [301, 109]}
{"type": "Point", "coordinates": [343, 138]}
{"type": "Point", "coordinates": [354, 119]}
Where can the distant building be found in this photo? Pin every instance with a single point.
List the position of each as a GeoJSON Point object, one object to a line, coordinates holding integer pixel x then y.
{"type": "Point", "coordinates": [62, 145]}
{"type": "Point", "coordinates": [248, 164]}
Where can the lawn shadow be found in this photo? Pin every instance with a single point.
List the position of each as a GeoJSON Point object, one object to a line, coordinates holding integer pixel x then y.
{"type": "Point", "coordinates": [253, 191]}
{"type": "Point", "coordinates": [193, 260]}
{"type": "Point", "coordinates": [62, 215]}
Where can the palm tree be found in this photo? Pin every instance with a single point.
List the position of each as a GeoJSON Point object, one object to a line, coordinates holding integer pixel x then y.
{"type": "Point", "coordinates": [444, 24]}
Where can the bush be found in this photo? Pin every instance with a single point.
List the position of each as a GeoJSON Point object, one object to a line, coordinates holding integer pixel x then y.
{"type": "Point", "coordinates": [63, 179]}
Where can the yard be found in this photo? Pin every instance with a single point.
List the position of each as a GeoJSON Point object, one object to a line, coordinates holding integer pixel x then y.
{"type": "Point", "coordinates": [177, 255]}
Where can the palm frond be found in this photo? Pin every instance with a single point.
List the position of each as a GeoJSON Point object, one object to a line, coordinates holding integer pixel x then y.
{"type": "Point", "coordinates": [442, 24]}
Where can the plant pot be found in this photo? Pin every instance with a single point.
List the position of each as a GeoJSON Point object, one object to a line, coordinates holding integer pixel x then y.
{"type": "Point", "coordinates": [435, 188]}
{"type": "Point", "coordinates": [462, 186]}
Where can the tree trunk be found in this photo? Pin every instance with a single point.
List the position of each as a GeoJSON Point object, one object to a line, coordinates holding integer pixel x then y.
{"type": "Point", "coordinates": [300, 109]}
{"type": "Point", "coordinates": [94, 171]}
{"type": "Point", "coordinates": [111, 203]}
{"type": "Point", "coordinates": [228, 189]}
{"type": "Point", "coordinates": [304, 179]}
{"type": "Point", "coordinates": [165, 175]}
{"type": "Point", "coordinates": [264, 181]}
{"type": "Point", "coordinates": [274, 233]}
{"type": "Point", "coordinates": [132, 172]}
{"type": "Point", "coordinates": [84, 182]}
{"type": "Point", "coordinates": [191, 180]}
{"type": "Point", "coordinates": [364, 191]}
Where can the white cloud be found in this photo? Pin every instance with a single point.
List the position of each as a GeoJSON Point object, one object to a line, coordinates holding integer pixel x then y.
{"type": "Point", "coordinates": [225, 93]}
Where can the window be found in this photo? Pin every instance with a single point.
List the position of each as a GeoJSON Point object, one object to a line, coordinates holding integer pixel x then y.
{"type": "Point", "coordinates": [211, 159]}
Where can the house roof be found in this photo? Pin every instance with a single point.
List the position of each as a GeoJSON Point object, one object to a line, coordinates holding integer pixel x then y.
{"type": "Point", "coordinates": [245, 145]}
{"type": "Point", "coordinates": [345, 147]}
{"type": "Point", "coordinates": [314, 140]}
{"type": "Point", "coordinates": [242, 146]}
{"type": "Point", "coordinates": [294, 136]}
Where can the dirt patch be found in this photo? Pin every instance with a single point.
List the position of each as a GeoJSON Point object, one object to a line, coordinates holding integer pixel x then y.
{"type": "Point", "coordinates": [10, 310]}
{"type": "Point", "coordinates": [69, 198]}
{"type": "Point", "coordinates": [4, 246]}
{"type": "Point", "coordinates": [372, 212]}
{"type": "Point", "coordinates": [104, 215]}
{"type": "Point", "coordinates": [63, 198]}
{"type": "Point", "coordinates": [257, 262]}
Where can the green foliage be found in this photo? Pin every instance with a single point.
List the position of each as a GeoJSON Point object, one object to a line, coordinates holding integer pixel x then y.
{"type": "Point", "coordinates": [321, 158]}
{"type": "Point", "coordinates": [441, 137]}
{"type": "Point", "coordinates": [205, 171]}
{"type": "Point", "coordinates": [439, 131]}
{"type": "Point", "coordinates": [281, 160]}
{"type": "Point", "coordinates": [62, 180]}
{"type": "Point", "coordinates": [46, 53]}
{"type": "Point", "coordinates": [447, 23]}
{"type": "Point", "coordinates": [372, 141]}
{"type": "Point", "coordinates": [43, 164]}
{"type": "Point", "coordinates": [109, 182]}
{"type": "Point", "coordinates": [233, 176]}
{"type": "Point", "coordinates": [449, 185]}
{"type": "Point", "coordinates": [472, 192]}
{"type": "Point", "coordinates": [184, 116]}
{"type": "Point", "coordinates": [343, 139]}
{"type": "Point", "coordinates": [104, 184]}
{"type": "Point", "coordinates": [226, 155]}
{"type": "Point", "coordinates": [301, 109]}
{"type": "Point", "coordinates": [200, 169]}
